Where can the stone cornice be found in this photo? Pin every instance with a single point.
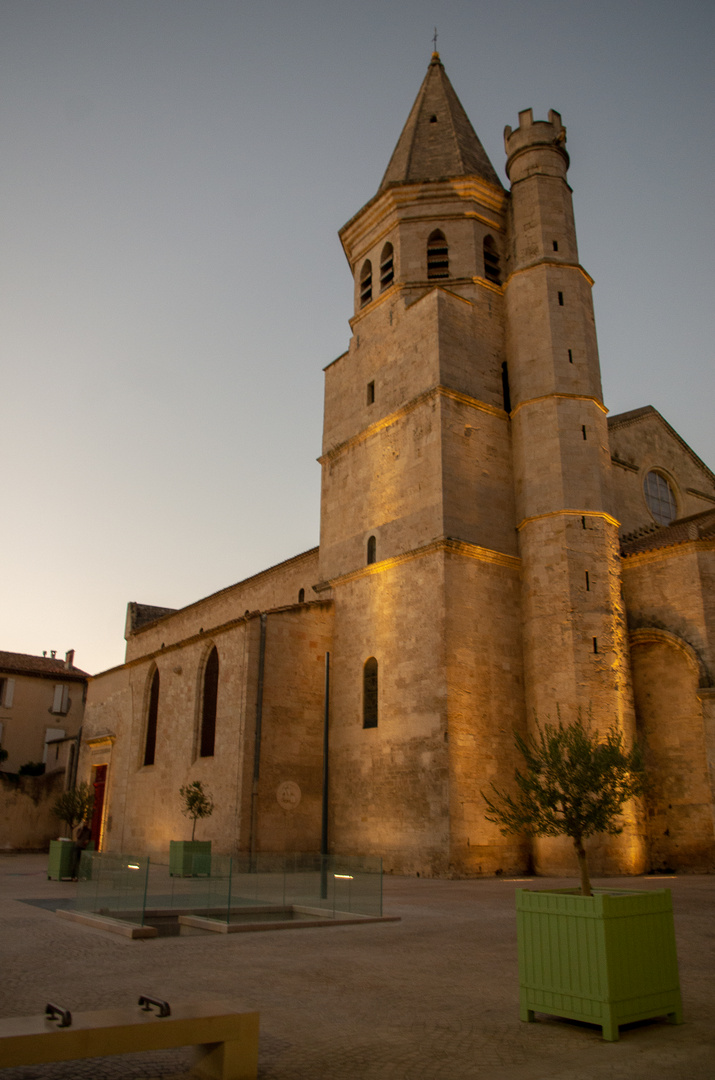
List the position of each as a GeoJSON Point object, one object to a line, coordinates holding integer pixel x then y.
{"type": "Point", "coordinates": [561, 397]}
{"type": "Point", "coordinates": [393, 417]}
{"type": "Point", "coordinates": [445, 543]}
{"type": "Point", "coordinates": [569, 513]}
{"type": "Point", "coordinates": [546, 260]}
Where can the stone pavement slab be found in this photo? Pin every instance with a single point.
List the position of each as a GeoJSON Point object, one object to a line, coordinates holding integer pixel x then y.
{"type": "Point", "coordinates": [432, 996]}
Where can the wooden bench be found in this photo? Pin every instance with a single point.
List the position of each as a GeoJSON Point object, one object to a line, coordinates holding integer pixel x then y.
{"type": "Point", "coordinates": [226, 1040]}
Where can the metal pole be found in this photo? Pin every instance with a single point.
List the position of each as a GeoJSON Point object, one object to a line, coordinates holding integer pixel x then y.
{"type": "Point", "coordinates": [324, 828]}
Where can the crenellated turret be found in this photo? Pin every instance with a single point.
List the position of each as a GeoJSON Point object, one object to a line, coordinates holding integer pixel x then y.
{"type": "Point", "coordinates": [574, 632]}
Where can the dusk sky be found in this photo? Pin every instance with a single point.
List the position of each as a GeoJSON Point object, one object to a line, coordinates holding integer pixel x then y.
{"type": "Point", "coordinates": [173, 177]}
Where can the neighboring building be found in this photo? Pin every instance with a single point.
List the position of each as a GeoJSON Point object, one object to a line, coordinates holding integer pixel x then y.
{"type": "Point", "coordinates": [492, 548]}
{"type": "Point", "coordinates": [41, 704]}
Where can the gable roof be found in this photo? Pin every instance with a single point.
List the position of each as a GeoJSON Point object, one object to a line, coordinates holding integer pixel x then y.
{"type": "Point", "coordinates": [46, 667]}
{"type": "Point", "coordinates": [438, 140]}
{"type": "Point", "coordinates": [634, 416]}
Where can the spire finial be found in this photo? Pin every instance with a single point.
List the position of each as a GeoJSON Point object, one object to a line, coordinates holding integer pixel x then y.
{"type": "Point", "coordinates": [434, 43]}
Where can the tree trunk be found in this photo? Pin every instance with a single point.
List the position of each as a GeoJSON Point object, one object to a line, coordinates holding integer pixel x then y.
{"type": "Point", "coordinates": [583, 868]}
{"type": "Point", "coordinates": [193, 830]}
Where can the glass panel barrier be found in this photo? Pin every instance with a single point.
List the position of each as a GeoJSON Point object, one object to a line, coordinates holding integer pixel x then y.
{"type": "Point", "coordinates": [113, 885]}
{"type": "Point", "coordinates": [249, 888]}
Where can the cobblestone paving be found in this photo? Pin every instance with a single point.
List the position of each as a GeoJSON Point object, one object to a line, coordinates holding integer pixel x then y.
{"type": "Point", "coordinates": [433, 996]}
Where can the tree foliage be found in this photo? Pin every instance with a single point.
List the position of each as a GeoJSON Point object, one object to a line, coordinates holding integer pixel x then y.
{"type": "Point", "coordinates": [197, 803]}
{"type": "Point", "coordinates": [75, 805]}
{"type": "Point", "coordinates": [575, 783]}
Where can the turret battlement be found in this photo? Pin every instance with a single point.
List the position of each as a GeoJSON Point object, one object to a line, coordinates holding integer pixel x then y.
{"type": "Point", "coordinates": [534, 135]}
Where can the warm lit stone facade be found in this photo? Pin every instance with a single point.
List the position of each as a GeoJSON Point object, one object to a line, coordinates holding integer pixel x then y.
{"type": "Point", "coordinates": [492, 547]}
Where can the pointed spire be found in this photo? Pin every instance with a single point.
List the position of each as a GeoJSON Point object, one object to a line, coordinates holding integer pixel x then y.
{"type": "Point", "coordinates": [438, 139]}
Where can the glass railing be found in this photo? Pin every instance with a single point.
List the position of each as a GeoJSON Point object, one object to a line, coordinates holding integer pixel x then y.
{"type": "Point", "coordinates": [240, 888]}
{"type": "Point", "coordinates": [113, 885]}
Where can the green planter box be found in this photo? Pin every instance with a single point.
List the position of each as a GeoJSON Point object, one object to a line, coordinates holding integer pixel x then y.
{"type": "Point", "coordinates": [190, 858]}
{"type": "Point", "coordinates": [59, 864]}
{"type": "Point", "coordinates": [607, 959]}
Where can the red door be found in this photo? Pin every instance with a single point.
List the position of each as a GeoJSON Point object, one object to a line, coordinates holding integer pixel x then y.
{"type": "Point", "coordinates": [100, 779]}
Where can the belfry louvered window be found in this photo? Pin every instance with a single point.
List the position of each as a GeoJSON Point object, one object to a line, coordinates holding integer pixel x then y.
{"type": "Point", "coordinates": [491, 261]}
{"type": "Point", "coordinates": [437, 256]}
{"type": "Point", "coordinates": [387, 267]}
{"type": "Point", "coordinates": [366, 283]}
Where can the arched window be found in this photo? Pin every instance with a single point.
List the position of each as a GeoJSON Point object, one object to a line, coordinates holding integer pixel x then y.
{"type": "Point", "coordinates": [437, 256]}
{"type": "Point", "coordinates": [366, 283]}
{"type": "Point", "coordinates": [371, 550]}
{"type": "Point", "coordinates": [208, 705]}
{"type": "Point", "coordinates": [491, 261]}
{"type": "Point", "coordinates": [660, 498]}
{"type": "Point", "coordinates": [151, 719]}
{"type": "Point", "coordinates": [301, 596]}
{"type": "Point", "coordinates": [387, 267]}
{"type": "Point", "coordinates": [369, 693]}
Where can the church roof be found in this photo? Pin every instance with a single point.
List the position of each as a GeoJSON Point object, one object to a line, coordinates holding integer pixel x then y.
{"type": "Point", "coordinates": [438, 140]}
{"type": "Point", "coordinates": [696, 527]}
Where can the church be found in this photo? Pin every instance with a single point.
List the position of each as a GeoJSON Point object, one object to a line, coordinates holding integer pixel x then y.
{"type": "Point", "coordinates": [493, 547]}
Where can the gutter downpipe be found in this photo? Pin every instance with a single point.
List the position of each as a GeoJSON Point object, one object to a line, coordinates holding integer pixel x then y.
{"type": "Point", "coordinates": [257, 746]}
{"type": "Point", "coordinates": [324, 823]}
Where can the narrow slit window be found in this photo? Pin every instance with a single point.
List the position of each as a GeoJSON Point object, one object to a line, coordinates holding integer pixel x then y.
{"type": "Point", "coordinates": [369, 693]}
{"type": "Point", "coordinates": [151, 720]}
{"type": "Point", "coordinates": [588, 582]}
{"type": "Point", "coordinates": [366, 283]}
{"type": "Point", "coordinates": [570, 357]}
{"type": "Point", "coordinates": [561, 299]}
{"type": "Point", "coordinates": [371, 392]}
{"type": "Point", "coordinates": [505, 387]}
{"type": "Point", "coordinates": [301, 596]}
{"type": "Point", "coordinates": [583, 521]}
{"type": "Point", "coordinates": [387, 267]}
{"type": "Point", "coordinates": [491, 261]}
{"type": "Point", "coordinates": [595, 644]}
{"type": "Point", "coordinates": [437, 256]}
{"type": "Point", "coordinates": [556, 245]}
{"type": "Point", "coordinates": [208, 711]}
{"type": "Point", "coordinates": [583, 430]}
{"type": "Point", "coordinates": [371, 550]}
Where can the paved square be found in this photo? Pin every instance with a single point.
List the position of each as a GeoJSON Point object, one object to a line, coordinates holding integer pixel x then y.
{"type": "Point", "coordinates": [432, 996]}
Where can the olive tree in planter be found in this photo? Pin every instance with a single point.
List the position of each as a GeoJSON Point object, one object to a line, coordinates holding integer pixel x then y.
{"type": "Point", "coordinates": [73, 807]}
{"type": "Point", "coordinates": [605, 956]}
{"type": "Point", "coordinates": [191, 858]}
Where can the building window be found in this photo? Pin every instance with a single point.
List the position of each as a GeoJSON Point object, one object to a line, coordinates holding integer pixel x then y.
{"type": "Point", "coordinates": [208, 705]}
{"type": "Point", "coordinates": [61, 700]}
{"type": "Point", "coordinates": [371, 550]}
{"type": "Point", "coordinates": [660, 497]}
{"type": "Point", "coordinates": [561, 299]}
{"type": "Point", "coordinates": [505, 387]}
{"type": "Point", "coordinates": [151, 719]}
{"type": "Point", "coordinates": [366, 283]}
{"type": "Point", "coordinates": [437, 256]}
{"type": "Point", "coordinates": [491, 261]}
{"type": "Point", "coordinates": [301, 596]}
{"type": "Point", "coordinates": [387, 267]}
{"type": "Point", "coordinates": [371, 393]}
{"type": "Point", "coordinates": [7, 692]}
{"type": "Point", "coordinates": [369, 693]}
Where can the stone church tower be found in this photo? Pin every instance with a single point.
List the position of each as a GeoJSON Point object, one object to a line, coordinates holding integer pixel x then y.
{"type": "Point", "coordinates": [465, 531]}
{"type": "Point", "coordinates": [470, 574]}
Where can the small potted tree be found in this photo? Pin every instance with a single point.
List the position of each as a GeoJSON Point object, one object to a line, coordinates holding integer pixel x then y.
{"type": "Point", "coordinates": [74, 808]}
{"type": "Point", "coordinates": [192, 858]}
{"type": "Point", "coordinates": [605, 956]}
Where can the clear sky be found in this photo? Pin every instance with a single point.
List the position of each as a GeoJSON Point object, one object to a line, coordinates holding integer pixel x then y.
{"type": "Point", "coordinates": [172, 178]}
